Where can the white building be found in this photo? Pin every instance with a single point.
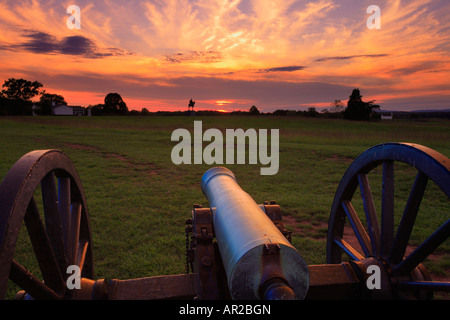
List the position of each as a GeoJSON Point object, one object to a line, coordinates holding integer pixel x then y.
{"type": "Point", "coordinates": [387, 116]}
{"type": "Point", "coordinates": [64, 110]}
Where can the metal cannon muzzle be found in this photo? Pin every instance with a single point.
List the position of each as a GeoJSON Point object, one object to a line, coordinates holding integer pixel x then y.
{"type": "Point", "coordinates": [260, 263]}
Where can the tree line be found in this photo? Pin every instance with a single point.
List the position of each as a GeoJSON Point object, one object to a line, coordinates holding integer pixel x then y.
{"type": "Point", "coordinates": [16, 99]}
{"type": "Point", "coordinates": [17, 94]}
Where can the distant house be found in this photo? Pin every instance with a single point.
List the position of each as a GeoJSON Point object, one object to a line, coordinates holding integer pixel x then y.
{"type": "Point", "coordinates": [387, 116]}
{"type": "Point", "coordinates": [64, 110]}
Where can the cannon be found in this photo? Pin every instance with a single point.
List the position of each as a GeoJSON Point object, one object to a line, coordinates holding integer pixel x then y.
{"type": "Point", "coordinates": [235, 248]}
{"type": "Point", "coordinates": [258, 259]}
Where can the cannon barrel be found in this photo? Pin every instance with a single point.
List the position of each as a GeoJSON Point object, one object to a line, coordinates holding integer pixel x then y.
{"type": "Point", "coordinates": [260, 263]}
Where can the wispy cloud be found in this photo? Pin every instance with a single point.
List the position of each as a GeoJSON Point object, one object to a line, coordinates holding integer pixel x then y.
{"type": "Point", "coordinates": [195, 57]}
{"type": "Point", "coordinates": [283, 69]}
{"type": "Point", "coordinates": [352, 57]}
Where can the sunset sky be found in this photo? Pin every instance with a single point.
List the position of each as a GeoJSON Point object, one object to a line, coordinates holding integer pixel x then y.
{"type": "Point", "coordinates": [231, 54]}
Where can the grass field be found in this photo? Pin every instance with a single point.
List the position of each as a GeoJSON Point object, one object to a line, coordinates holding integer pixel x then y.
{"type": "Point", "coordinates": [138, 199]}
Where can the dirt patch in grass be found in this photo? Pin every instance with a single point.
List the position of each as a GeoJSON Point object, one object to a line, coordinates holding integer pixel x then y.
{"type": "Point", "coordinates": [147, 168]}
{"type": "Point", "coordinates": [80, 147]}
{"type": "Point", "coordinates": [337, 158]}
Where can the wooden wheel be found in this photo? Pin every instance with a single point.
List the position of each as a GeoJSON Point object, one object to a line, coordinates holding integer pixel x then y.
{"type": "Point", "coordinates": [60, 237]}
{"type": "Point", "coordinates": [376, 235]}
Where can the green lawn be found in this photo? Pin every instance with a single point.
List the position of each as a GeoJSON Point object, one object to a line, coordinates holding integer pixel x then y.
{"type": "Point", "coordinates": [138, 199]}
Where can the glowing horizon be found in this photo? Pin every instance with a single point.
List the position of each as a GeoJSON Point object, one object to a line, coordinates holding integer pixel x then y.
{"type": "Point", "coordinates": [230, 55]}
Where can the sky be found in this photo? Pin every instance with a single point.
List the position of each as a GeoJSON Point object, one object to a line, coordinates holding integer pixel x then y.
{"type": "Point", "coordinates": [232, 54]}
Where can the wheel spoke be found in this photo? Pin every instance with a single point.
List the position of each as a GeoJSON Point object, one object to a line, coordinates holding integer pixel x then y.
{"type": "Point", "coordinates": [424, 250]}
{"type": "Point", "coordinates": [348, 249]}
{"type": "Point", "coordinates": [64, 213]}
{"type": "Point", "coordinates": [43, 249]}
{"type": "Point", "coordinates": [369, 209]}
{"type": "Point", "coordinates": [52, 219]}
{"type": "Point", "coordinates": [408, 219]}
{"type": "Point", "coordinates": [358, 228]}
{"type": "Point", "coordinates": [387, 209]}
{"type": "Point", "coordinates": [75, 229]}
{"type": "Point", "coordinates": [81, 258]}
{"type": "Point", "coordinates": [425, 285]}
{"type": "Point", "coordinates": [28, 282]}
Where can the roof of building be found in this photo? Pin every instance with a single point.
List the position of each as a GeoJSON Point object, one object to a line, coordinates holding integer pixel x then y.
{"type": "Point", "coordinates": [63, 105]}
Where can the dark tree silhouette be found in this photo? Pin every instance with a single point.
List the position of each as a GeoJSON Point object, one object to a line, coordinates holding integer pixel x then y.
{"type": "Point", "coordinates": [254, 110]}
{"type": "Point", "coordinates": [46, 101]}
{"type": "Point", "coordinates": [337, 106]}
{"type": "Point", "coordinates": [21, 89]}
{"type": "Point", "coordinates": [312, 112]}
{"type": "Point", "coordinates": [114, 104]}
{"type": "Point", "coordinates": [357, 109]}
{"type": "Point", "coordinates": [15, 99]}
{"type": "Point", "coordinates": [96, 110]}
